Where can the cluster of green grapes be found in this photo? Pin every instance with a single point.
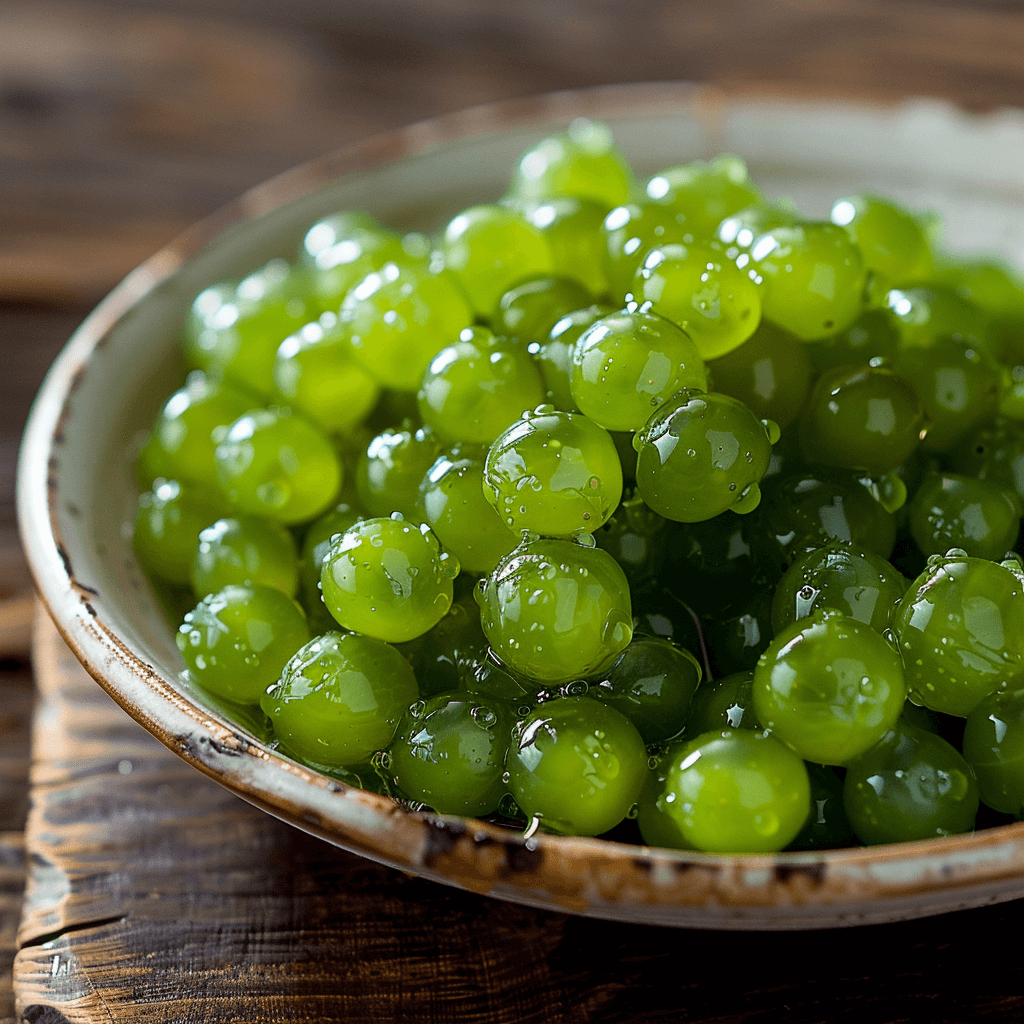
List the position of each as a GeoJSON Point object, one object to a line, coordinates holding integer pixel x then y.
{"type": "Point", "coordinates": [615, 506]}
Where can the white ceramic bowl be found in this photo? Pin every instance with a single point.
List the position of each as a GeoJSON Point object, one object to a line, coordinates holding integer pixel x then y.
{"type": "Point", "coordinates": [76, 490]}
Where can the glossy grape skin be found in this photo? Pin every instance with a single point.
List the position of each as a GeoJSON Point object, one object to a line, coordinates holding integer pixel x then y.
{"type": "Point", "coordinates": [577, 765]}
{"type": "Point", "coordinates": [635, 537]}
{"type": "Point", "coordinates": [316, 373]}
{"type": "Point", "coordinates": [245, 549]}
{"type": "Point", "coordinates": [912, 785]}
{"type": "Point", "coordinates": [724, 703]}
{"type": "Point", "coordinates": [582, 161]}
{"type": "Point", "coordinates": [770, 373]}
{"type": "Point", "coordinates": [553, 355]}
{"type": "Point", "coordinates": [652, 684]}
{"type": "Point", "coordinates": [814, 278]}
{"type": "Point", "coordinates": [961, 632]}
{"type": "Point", "coordinates": [857, 582]}
{"type": "Point", "coordinates": [657, 612]}
{"type": "Point", "coordinates": [866, 419]}
{"type": "Point", "coordinates": [993, 745]}
{"type": "Point", "coordinates": [168, 520]}
{"type": "Point", "coordinates": [927, 313]}
{"type": "Point", "coordinates": [555, 610]}
{"type": "Point", "coordinates": [656, 826]}
{"type": "Point", "coordinates": [954, 511]}
{"type": "Point", "coordinates": [340, 698]}
{"type": "Point", "coordinates": [390, 471]}
{"type": "Point", "coordinates": [455, 507]}
{"type": "Point", "coordinates": [449, 753]}
{"type": "Point", "coordinates": [489, 249]}
{"type": "Point", "coordinates": [235, 642]}
{"type": "Point", "coordinates": [829, 687]}
{"type": "Point", "coordinates": [740, 230]}
{"type": "Point", "coordinates": [997, 289]}
{"type": "Point", "coordinates": [627, 364]}
{"type": "Point", "coordinates": [572, 229]}
{"type": "Point", "coordinates": [874, 335]}
{"type": "Point", "coordinates": [315, 545]}
{"type": "Point", "coordinates": [737, 633]}
{"type": "Point", "coordinates": [530, 309]}
{"type": "Point", "coordinates": [388, 579]}
{"type": "Point", "coordinates": [629, 232]}
{"type": "Point", "coordinates": [553, 473]}
{"type": "Point", "coordinates": [827, 827]}
{"type": "Point", "coordinates": [993, 452]}
{"type": "Point", "coordinates": [701, 454]}
{"type": "Point", "coordinates": [399, 316]}
{"type": "Point", "coordinates": [699, 288]}
{"type": "Point", "coordinates": [275, 464]}
{"type": "Point", "coordinates": [734, 791]}
{"type": "Point", "coordinates": [474, 388]}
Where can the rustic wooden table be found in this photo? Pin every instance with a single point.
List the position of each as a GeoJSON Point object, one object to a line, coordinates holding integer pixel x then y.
{"type": "Point", "coordinates": [155, 895]}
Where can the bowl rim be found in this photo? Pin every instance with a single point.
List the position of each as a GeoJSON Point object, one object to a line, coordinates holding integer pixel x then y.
{"type": "Point", "coordinates": [588, 876]}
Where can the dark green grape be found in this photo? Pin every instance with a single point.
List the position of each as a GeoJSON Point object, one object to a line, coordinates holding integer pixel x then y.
{"type": "Point", "coordinates": [315, 546]}
{"type": "Point", "coordinates": [827, 827]}
{"type": "Point", "coordinates": [829, 687]}
{"type": "Point", "coordinates": [388, 579]}
{"type": "Point", "coordinates": [993, 452]}
{"type": "Point", "coordinates": [652, 684]}
{"type": "Point", "coordinates": [657, 612]}
{"type": "Point", "coordinates": [993, 746]}
{"type": "Point", "coordinates": [555, 610]}
{"type": "Point", "coordinates": [927, 313]}
{"type": "Point", "coordinates": [657, 827]}
{"type": "Point", "coordinates": [635, 537]}
{"type": "Point", "coordinates": [340, 698]}
{"type": "Point", "coordinates": [576, 766]}
{"type": "Point", "coordinates": [953, 511]}
{"type": "Point", "coordinates": [449, 753]}
{"type": "Point", "coordinates": [245, 549]}
{"type": "Point", "coordinates": [235, 642]}
{"type": "Point", "coordinates": [912, 785]}
{"type": "Point", "coordinates": [726, 703]}
{"type": "Point", "coordinates": [874, 335]}
{"type": "Point", "coordinates": [701, 454]}
{"type": "Point", "coordinates": [572, 229]}
{"type": "Point", "coordinates": [553, 356]}
{"type": "Point", "coordinates": [629, 232]}
{"type": "Point", "coordinates": [392, 468]}
{"type": "Point", "coordinates": [961, 631]}
{"type": "Point", "coordinates": [529, 310]}
{"type": "Point", "coordinates": [737, 634]}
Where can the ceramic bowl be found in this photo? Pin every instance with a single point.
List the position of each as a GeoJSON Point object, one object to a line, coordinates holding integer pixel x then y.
{"type": "Point", "coordinates": [76, 491]}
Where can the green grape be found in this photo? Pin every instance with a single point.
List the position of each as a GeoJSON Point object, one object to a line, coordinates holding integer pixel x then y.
{"type": "Point", "coordinates": [770, 373]}
{"type": "Point", "coordinates": [388, 579]}
{"type": "Point", "coordinates": [491, 248]}
{"type": "Point", "coordinates": [475, 388]}
{"type": "Point", "coordinates": [449, 753]}
{"type": "Point", "coordinates": [553, 473]}
{"type": "Point", "coordinates": [315, 546]}
{"type": "Point", "coordinates": [912, 785]}
{"type": "Point", "coordinates": [576, 766]}
{"type": "Point", "coordinates": [554, 610]}
{"type": "Point", "coordinates": [657, 827]}
{"type": "Point", "coordinates": [529, 310]}
{"type": "Point", "coordinates": [278, 465]}
{"type": "Point", "coordinates": [635, 537]}
{"type": "Point", "coordinates": [993, 452]}
{"type": "Point", "coordinates": [952, 511]}
{"type": "Point", "coordinates": [572, 229]}
{"type": "Point", "coordinates": [657, 612]}
{"type": "Point", "coordinates": [859, 583]}
{"type": "Point", "coordinates": [706, 193]}
{"type": "Point", "coordinates": [701, 454]}
{"type": "Point", "coordinates": [652, 684]}
{"type": "Point", "coordinates": [628, 233]}
{"type": "Point", "coordinates": [316, 373]}
{"type": "Point", "coordinates": [830, 687]}
{"type": "Point", "coordinates": [961, 631]}
{"type": "Point", "coordinates": [235, 642]}
{"type": "Point", "coordinates": [583, 162]}
{"type": "Point", "coordinates": [928, 313]}
{"type": "Point", "coordinates": [740, 230]}
{"type": "Point", "coordinates": [452, 496]}
{"type": "Point", "coordinates": [398, 317]}
{"type": "Point", "coordinates": [167, 523]}
{"type": "Point", "coordinates": [874, 335]}
{"type": "Point", "coordinates": [725, 703]}
{"type": "Point", "coordinates": [186, 431]}
{"type": "Point", "coordinates": [390, 471]}
{"type": "Point", "coordinates": [553, 356]}
{"type": "Point", "coordinates": [245, 549]}
{"type": "Point", "coordinates": [827, 828]}
{"type": "Point", "coordinates": [339, 699]}
{"type": "Point", "coordinates": [627, 364]}
{"type": "Point", "coordinates": [699, 288]}
{"type": "Point", "coordinates": [814, 278]}
{"type": "Point", "coordinates": [993, 746]}
{"type": "Point", "coordinates": [737, 634]}
{"type": "Point", "coordinates": [864, 418]}
{"type": "Point", "coordinates": [734, 791]}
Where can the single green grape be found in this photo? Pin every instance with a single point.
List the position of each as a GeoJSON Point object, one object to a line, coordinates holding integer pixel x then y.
{"type": "Point", "coordinates": [315, 545]}
{"type": "Point", "coordinates": [474, 388]}
{"type": "Point", "coordinates": [339, 699]}
{"type": "Point", "coordinates": [636, 538]}
{"type": "Point", "coordinates": [235, 642]}
{"type": "Point", "coordinates": [829, 687]}
{"type": "Point", "coordinates": [275, 464]}
{"type": "Point", "coordinates": [628, 233]}
{"type": "Point", "coordinates": [625, 365]}
{"type": "Point", "coordinates": [656, 826]}
{"type": "Point", "coordinates": [912, 785]}
{"type": "Point", "coordinates": [388, 579]}
{"type": "Point", "coordinates": [724, 703]}
{"type": "Point", "coordinates": [701, 454]}
{"type": "Point", "coordinates": [390, 471]}
{"type": "Point", "coordinates": [572, 228]}
{"type": "Point", "coordinates": [874, 335]}
{"type": "Point", "coordinates": [737, 634]}
{"type": "Point", "coordinates": [576, 766]}
{"type": "Point", "coordinates": [553, 355]}
{"type": "Point", "coordinates": [699, 288]}
{"type": "Point", "coordinates": [827, 827]}
{"type": "Point", "coordinates": [554, 610]}
{"type": "Point", "coordinates": [993, 746]}
{"type": "Point", "coordinates": [927, 313]}
{"type": "Point", "coordinates": [657, 612]}
{"type": "Point", "coordinates": [449, 753]}
{"type": "Point", "coordinates": [245, 549]}
{"type": "Point", "coordinates": [553, 473]}
{"type": "Point", "coordinates": [954, 511]}
{"type": "Point", "coordinates": [993, 452]}
{"type": "Point", "coordinates": [530, 309]}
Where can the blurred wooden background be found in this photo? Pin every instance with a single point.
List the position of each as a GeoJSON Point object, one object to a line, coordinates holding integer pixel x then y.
{"type": "Point", "coordinates": [122, 122]}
